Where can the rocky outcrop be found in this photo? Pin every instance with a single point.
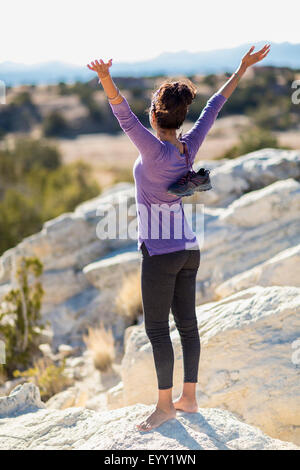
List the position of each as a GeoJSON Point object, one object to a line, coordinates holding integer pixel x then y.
{"type": "Point", "coordinates": [280, 270]}
{"type": "Point", "coordinates": [246, 361]}
{"type": "Point", "coordinates": [250, 172]}
{"type": "Point", "coordinates": [22, 399]}
{"type": "Point", "coordinates": [250, 231]}
{"type": "Point", "coordinates": [108, 272]}
{"type": "Point", "coordinates": [77, 428]}
{"type": "Point", "coordinates": [82, 272]}
{"type": "Point", "coordinates": [245, 227]}
{"type": "Point", "coordinates": [66, 245]}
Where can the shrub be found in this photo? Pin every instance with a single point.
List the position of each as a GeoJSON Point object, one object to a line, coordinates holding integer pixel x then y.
{"type": "Point", "coordinates": [22, 98]}
{"type": "Point", "coordinates": [251, 140]}
{"type": "Point", "coordinates": [35, 186]}
{"type": "Point", "coordinates": [276, 116]}
{"type": "Point", "coordinates": [67, 187]}
{"type": "Point", "coordinates": [54, 125]}
{"type": "Point", "coordinates": [20, 315]}
{"type": "Point", "coordinates": [62, 88]}
{"type": "Point", "coordinates": [129, 300]}
{"type": "Point", "coordinates": [26, 155]}
{"type": "Point", "coordinates": [3, 376]}
{"type": "Point", "coordinates": [46, 375]}
{"type": "Point", "coordinates": [101, 344]}
{"type": "Point", "coordinates": [122, 174]}
{"type": "Point", "coordinates": [2, 133]}
{"type": "Point", "coordinates": [20, 216]}
{"type": "Point", "coordinates": [210, 80]}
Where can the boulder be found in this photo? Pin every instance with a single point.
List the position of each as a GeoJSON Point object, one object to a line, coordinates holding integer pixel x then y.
{"type": "Point", "coordinates": [245, 227]}
{"type": "Point", "coordinates": [23, 398]}
{"type": "Point", "coordinates": [109, 272]}
{"type": "Point", "coordinates": [246, 361]}
{"type": "Point", "coordinates": [250, 172]}
{"type": "Point", "coordinates": [250, 231]}
{"type": "Point", "coordinates": [71, 240]}
{"type": "Point", "coordinates": [280, 270]}
{"type": "Point", "coordinates": [81, 429]}
{"type": "Point", "coordinates": [65, 246]}
{"type": "Point", "coordinates": [115, 396]}
{"type": "Point", "coordinates": [71, 397]}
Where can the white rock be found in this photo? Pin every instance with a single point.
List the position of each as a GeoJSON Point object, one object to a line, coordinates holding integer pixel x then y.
{"type": "Point", "coordinates": [281, 198]}
{"type": "Point", "coordinates": [256, 227]}
{"type": "Point", "coordinates": [66, 350]}
{"type": "Point", "coordinates": [246, 359]}
{"type": "Point", "coordinates": [280, 270]}
{"type": "Point", "coordinates": [109, 272]}
{"type": "Point", "coordinates": [60, 285]}
{"type": "Point", "coordinates": [252, 229]}
{"type": "Point", "coordinates": [249, 172]}
{"type": "Point", "coordinates": [62, 400]}
{"type": "Point", "coordinates": [115, 396]}
{"type": "Point", "coordinates": [23, 398]}
{"type": "Point", "coordinates": [65, 245]}
{"type": "Point", "coordinates": [77, 428]}
{"type": "Point", "coordinates": [45, 348]}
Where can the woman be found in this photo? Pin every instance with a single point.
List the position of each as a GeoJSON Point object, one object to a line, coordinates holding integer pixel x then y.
{"type": "Point", "coordinates": [169, 264]}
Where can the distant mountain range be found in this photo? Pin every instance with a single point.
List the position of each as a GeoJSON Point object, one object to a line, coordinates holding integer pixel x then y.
{"type": "Point", "coordinates": [282, 54]}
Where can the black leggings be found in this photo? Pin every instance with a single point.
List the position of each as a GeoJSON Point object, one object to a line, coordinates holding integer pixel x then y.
{"type": "Point", "coordinates": [169, 281]}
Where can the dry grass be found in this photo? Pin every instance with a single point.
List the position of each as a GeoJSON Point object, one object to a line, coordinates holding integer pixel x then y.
{"type": "Point", "coordinates": [46, 375]}
{"type": "Point", "coordinates": [101, 344]}
{"type": "Point", "coordinates": [3, 376]}
{"type": "Point", "coordinates": [129, 300]}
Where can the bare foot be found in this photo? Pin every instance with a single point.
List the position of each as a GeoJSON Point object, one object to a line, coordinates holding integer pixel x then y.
{"type": "Point", "coordinates": [184, 404]}
{"type": "Point", "coordinates": [157, 418]}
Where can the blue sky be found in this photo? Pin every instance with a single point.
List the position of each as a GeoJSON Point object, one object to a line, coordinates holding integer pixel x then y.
{"type": "Point", "coordinates": [78, 31]}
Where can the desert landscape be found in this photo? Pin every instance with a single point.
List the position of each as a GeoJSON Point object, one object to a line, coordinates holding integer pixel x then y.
{"type": "Point", "coordinates": [87, 338]}
{"type": "Point", "coordinates": [248, 311]}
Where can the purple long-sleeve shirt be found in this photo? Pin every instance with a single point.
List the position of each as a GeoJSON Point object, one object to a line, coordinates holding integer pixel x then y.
{"type": "Point", "coordinates": [162, 225]}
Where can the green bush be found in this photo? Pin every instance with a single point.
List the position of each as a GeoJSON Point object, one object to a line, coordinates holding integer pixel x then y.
{"type": "Point", "coordinates": [27, 154]}
{"type": "Point", "coordinates": [251, 140]}
{"type": "Point", "coordinates": [20, 317]}
{"type": "Point", "coordinates": [54, 125]}
{"type": "Point", "coordinates": [35, 186]}
{"type": "Point", "coordinates": [63, 88]}
{"type": "Point", "coordinates": [22, 98]}
{"type": "Point", "coordinates": [275, 116]}
{"type": "Point", "coordinates": [210, 80]}
{"type": "Point", "coordinates": [49, 377]}
{"type": "Point", "coordinates": [67, 187]}
{"type": "Point", "coordinates": [20, 216]}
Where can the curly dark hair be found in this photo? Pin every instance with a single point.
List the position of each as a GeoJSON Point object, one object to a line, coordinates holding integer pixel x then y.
{"type": "Point", "coordinates": [170, 103]}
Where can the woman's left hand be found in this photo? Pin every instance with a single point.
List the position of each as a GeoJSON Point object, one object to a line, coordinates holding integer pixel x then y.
{"type": "Point", "coordinates": [101, 68]}
{"type": "Point", "coordinates": [251, 59]}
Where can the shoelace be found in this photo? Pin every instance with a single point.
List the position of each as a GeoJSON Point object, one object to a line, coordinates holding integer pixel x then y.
{"type": "Point", "coordinates": [184, 179]}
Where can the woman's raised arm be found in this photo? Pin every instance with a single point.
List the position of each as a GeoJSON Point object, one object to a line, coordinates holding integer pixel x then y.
{"type": "Point", "coordinates": [109, 87]}
{"type": "Point", "coordinates": [247, 60]}
{"type": "Point", "coordinates": [213, 106]}
{"type": "Point", "coordinates": [149, 146]}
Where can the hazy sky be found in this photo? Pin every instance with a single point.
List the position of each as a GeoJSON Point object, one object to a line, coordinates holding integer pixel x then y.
{"type": "Point", "coordinates": [78, 31]}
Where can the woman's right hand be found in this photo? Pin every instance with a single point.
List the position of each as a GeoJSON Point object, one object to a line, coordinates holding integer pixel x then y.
{"type": "Point", "coordinates": [251, 59]}
{"type": "Point", "coordinates": [101, 68]}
